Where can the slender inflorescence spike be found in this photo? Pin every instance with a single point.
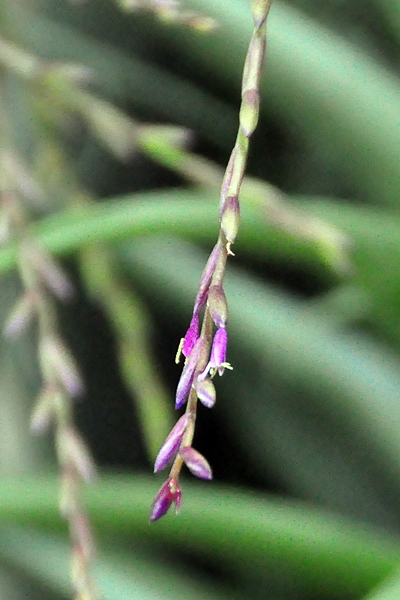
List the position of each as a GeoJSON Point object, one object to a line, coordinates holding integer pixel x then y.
{"type": "Point", "coordinates": [205, 353]}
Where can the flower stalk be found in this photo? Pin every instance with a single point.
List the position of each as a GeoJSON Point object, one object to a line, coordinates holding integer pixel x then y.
{"type": "Point", "coordinates": [205, 350]}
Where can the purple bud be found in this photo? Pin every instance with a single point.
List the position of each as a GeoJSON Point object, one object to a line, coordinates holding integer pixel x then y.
{"type": "Point", "coordinates": [196, 462]}
{"type": "Point", "coordinates": [186, 380]}
{"type": "Point", "coordinates": [191, 337]}
{"type": "Point", "coordinates": [217, 360]}
{"type": "Point", "coordinates": [206, 278]}
{"type": "Point", "coordinates": [168, 493]}
{"type": "Point", "coordinates": [171, 444]}
{"type": "Point", "coordinates": [218, 305]}
{"type": "Point", "coordinates": [218, 350]}
{"type": "Point", "coordinates": [206, 392]}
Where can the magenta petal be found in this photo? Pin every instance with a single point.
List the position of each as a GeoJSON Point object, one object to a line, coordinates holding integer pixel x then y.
{"type": "Point", "coordinates": [187, 376]}
{"type": "Point", "coordinates": [168, 493]}
{"type": "Point", "coordinates": [218, 350]}
{"type": "Point", "coordinates": [171, 444]}
{"type": "Point", "coordinates": [196, 462]}
{"type": "Point", "coordinates": [191, 337]}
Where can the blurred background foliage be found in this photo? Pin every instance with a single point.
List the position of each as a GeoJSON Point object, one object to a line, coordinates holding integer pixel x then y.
{"type": "Point", "coordinates": [115, 125]}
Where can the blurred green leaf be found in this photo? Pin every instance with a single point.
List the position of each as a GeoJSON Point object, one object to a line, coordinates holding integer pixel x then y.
{"type": "Point", "coordinates": [246, 531]}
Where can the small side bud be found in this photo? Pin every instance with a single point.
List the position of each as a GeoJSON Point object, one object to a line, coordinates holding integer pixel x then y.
{"type": "Point", "coordinates": [44, 409]}
{"type": "Point", "coordinates": [195, 462]}
{"type": "Point", "coordinates": [205, 391]}
{"type": "Point", "coordinates": [48, 269]}
{"type": "Point", "coordinates": [21, 315]}
{"type": "Point", "coordinates": [230, 218]}
{"type": "Point", "coordinates": [58, 361]}
{"type": "Point", "coordinates": [169, 493]}
{"type": "Point", "coordinates": [72, 450]}
{"type": "Point", "coordinates": [218, 305]}
{"type": "Point", "coordinates": [249, 111]}
{"type": "Point", "coordinates": [171, 444]}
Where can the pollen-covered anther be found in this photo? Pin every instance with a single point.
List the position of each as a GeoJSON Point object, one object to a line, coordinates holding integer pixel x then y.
{"type": "Point", "coordinates": [169, 493]}
{"type": "Point", "coordinates": [171, 444]}
{"type": "Point", "coordinates": [195, 462]}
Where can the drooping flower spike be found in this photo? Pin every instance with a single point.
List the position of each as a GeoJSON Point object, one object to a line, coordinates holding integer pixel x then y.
{"type": "Point", "coordinates": [205, 351]}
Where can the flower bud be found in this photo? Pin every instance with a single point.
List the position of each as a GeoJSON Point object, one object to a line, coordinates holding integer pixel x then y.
{"type": "Point", "coordinates": [196, 462]}
{"type": "Point", "coordinates": [206, 278]}
{"type": "Point", "coordinates": [249, 111]}
{"type": "Point", "coordinates": [20, 316]}
{"type": "Point", "coordinates": [169, 492]}
{"type": "Point", "coordinates": [72, 450]}
{"type": "Point", "coordinates": [48, 269]}
{"type": "Point", "coordinates": [44, 409]}
{"type": "Point", "coordinates": [58, 362]}
{"type": "Point", "coordinates": [187, 376]}
{"type": "Point", "coordinates": [191, 337]}
{"type": "Point", "coordinates": [218, 305]}
{"type": "Point", "coordinates": [205, 391]}
{"type": "Point", "coordinates": [230, 218]}
{"type": "Point", "coordinates": [171, 444]}
{"type": "Point", "coordinates": [217, 360]}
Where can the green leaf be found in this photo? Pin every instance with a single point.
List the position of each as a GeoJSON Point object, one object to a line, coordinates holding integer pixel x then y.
{"type": "Point", "coordinates": [245, 531]}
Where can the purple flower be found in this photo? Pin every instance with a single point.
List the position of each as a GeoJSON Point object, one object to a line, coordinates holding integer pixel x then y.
{"type": "Point", "coordinates": [171, 444]}
{"type": "Point", "coordinates": [191, 337]}
{"type": "Point", "coordinates": [187, 376]}
{"type": "Point", "coordinates": [169, 493]}
{"type": "Point", "coordinates": [196, 462]}
{"type": "Point", "coordinates": [217, 360]}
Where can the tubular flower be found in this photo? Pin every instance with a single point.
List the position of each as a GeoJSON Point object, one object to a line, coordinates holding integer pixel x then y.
{"type": "Point", "coordinates": [217, 360]}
